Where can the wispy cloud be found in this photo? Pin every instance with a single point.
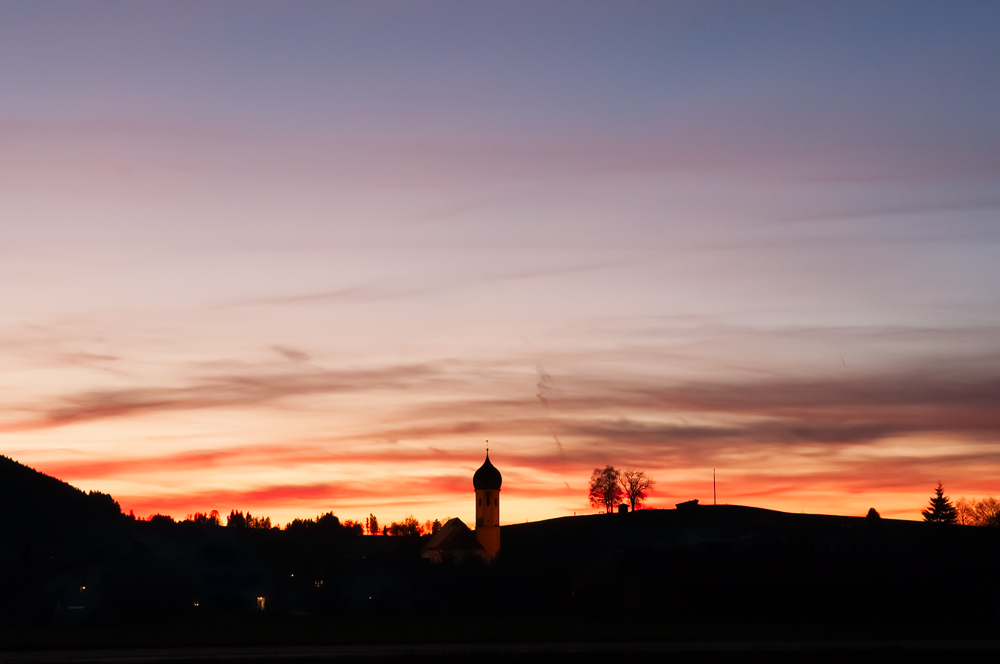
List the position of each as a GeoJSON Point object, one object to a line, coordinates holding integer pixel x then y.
{"type": "Point", "coordinates": [217, 391]}
{"type": "Point", "coordinates": [555, 270]}
{"type": "Point", "coordinates": [585, 417]}
{"type": "Point", "coordinates": [293, 354]}
{"type": "Point", "coordinates": [361, 294]}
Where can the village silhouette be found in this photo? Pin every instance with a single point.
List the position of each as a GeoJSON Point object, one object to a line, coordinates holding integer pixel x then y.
{"type": "Point", "coordinates": [77, 573]}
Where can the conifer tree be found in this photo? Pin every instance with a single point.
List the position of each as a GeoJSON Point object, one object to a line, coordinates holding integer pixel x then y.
{"type": "Point", "coordinates": [940, 509]}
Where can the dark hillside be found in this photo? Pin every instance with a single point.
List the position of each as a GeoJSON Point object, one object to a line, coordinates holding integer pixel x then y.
{"type": "Point", "coordinates": [69, 558]}
{"type": "Point", "coordinates": [54, 538]}
{"type": "Point", "coordinates": [31, 501]}
{"type": "Point", "coordinates": [708, 527]}
{"type": "Point", "coordinates": [742, 563]}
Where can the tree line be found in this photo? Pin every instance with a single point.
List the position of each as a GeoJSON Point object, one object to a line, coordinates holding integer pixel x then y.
{"type": "Point", "coordinates": [327, 523]}
{"type": "Point", "coordinates": [965, 512]}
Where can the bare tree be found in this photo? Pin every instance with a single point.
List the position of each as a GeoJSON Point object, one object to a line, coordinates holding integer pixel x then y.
{"type": "Point", "coordinates": [983, 512]}
{"type": "Point", "coordinates": [604, 489]}
{"type": "Point", "coordinates": [965, 512]}
{"type": "Point", "coordinates": [987, 511]}
{"type": "Point", "coordinates": [635, 484]}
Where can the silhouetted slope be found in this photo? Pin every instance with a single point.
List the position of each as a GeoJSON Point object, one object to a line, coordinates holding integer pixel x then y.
{"type": "Point", "coordinates": [69, 556]}
{"type": "Point", "coordinates": [743, 563]}
{"type": "Point", "coordinates": [54, 539]}
{"type": "Point", "coordinates": [704, 527]}
{"type": "Point", "coordinates": [30, 500]}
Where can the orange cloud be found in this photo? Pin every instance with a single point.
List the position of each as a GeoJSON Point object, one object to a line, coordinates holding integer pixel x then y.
{"type": "Point", "coordinates": [787, 437]}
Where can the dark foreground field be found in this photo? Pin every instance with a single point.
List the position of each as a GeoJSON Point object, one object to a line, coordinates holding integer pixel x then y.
{"type": "Point", "coordinates": [78, 580]}
{"type": "Point", "coordinates": [681, 651]}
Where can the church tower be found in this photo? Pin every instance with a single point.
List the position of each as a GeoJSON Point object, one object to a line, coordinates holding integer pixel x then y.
{"type": "Point", "coordinates": [487, 484]}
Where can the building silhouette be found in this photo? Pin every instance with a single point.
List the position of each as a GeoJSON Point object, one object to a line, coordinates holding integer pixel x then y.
{"type": "Point", "coordinates": [487, 482]}
{"type": "Point", "coordinates": [455, 541]}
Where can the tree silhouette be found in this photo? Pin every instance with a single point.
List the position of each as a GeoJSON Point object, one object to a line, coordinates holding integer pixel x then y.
{"type": "Point", "coordinates": [106, 501]}
{"type": "Point", "coordinates": [873, 513]}
{"type": "Point", "coordinates": [987, 512]}
{"type": "Point", "coordinates": [161, 520]}
{"type": "Point", "coordinates": [260, 523]}
{"type": "Point", "coordinates": [604, 488]}
{"type": "Point", "coordinates": [236, 520]}
{"type": "Point", "coordinates": [983, 512]}
{"type": "Point", "coordinates": [323, 524]}
{"type": "Point", "coordinates": [202, 519]}
{"type": "Point", "coordinates": [409, 527]}
{"type": "Point", "coordinates": [352, 527]}
{"type": "Point", "coordinates": [328, 523]}
{"type": "Point", "coordinates": [940, 509]}
{"type": "Point", "coordinates": [965, 512]}
{"type": "Point", "coordinates": [635, 484]}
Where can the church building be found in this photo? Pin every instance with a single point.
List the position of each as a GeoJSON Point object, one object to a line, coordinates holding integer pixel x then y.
{"type": "Point", "coordinates": [487, 482]}
{"type": "Point", "coordinates": [455, 542]}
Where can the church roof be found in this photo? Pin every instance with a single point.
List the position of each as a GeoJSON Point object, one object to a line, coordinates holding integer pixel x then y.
{"type": "Point", "coordinates": [454, 536]}
{"type": "Point", "coordinates": [487, 477]}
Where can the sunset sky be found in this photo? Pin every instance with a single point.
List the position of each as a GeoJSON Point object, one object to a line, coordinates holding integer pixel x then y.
{"type": "Point", "coordinates": [308, 256]}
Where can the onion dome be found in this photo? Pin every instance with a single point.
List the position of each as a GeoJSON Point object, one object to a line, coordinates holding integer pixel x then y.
{"type": "Point", "coordinates": [487, 477]}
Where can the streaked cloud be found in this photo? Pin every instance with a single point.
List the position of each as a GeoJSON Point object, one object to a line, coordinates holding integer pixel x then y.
{"type": "Point", "coordinates": [218, 391]}
{"type": "Point", "coordinates": [815, 430]}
